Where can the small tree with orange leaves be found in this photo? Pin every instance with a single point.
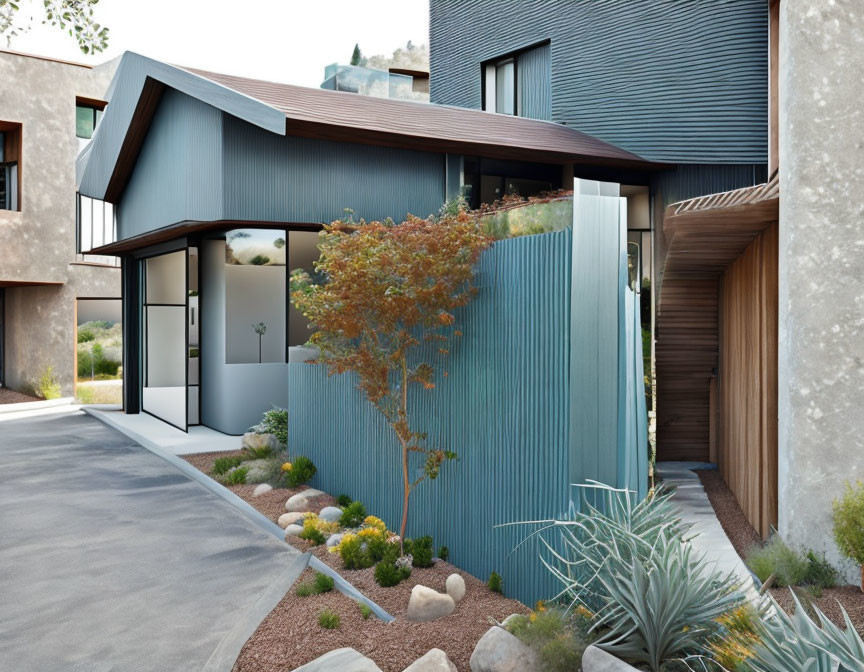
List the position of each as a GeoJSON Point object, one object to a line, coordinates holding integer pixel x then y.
{"type": "Point", "coordinates": [388, 290]}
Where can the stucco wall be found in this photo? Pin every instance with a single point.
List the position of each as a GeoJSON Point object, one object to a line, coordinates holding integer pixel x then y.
{"type": "Point", "coordinates": [38, 243]}
{"type": "Point", "coordinates": [821, 284]}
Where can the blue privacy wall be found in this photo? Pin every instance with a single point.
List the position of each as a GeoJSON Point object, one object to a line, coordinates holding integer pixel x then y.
{"type": "Point", "coordinates": [505, 407]}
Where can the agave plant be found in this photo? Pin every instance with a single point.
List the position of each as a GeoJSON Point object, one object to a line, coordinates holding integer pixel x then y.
{"type": "Point", "coordinates": [798, 642]}
{"type": "Point", "coordinates": [629, 562]}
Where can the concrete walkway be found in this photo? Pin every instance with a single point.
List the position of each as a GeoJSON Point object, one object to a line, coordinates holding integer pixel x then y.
{"type": "Point", "coordinates": [712, 542]}
{"type": "Point", "coordinates": [113, 559]}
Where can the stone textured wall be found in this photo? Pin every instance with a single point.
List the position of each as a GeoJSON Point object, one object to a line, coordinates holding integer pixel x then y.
{"type": "Point", "coordinates": [38, 242]}
{"type": "Point", "coordinates": [821, 292]}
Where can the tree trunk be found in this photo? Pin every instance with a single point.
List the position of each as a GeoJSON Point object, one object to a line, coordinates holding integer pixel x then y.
{"type": "Point", "coordinates": [406, 481]}
{"type": "Point", "coordinates": [862, 578]}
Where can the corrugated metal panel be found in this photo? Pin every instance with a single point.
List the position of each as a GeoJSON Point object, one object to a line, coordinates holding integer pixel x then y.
{"type": "Point", "coordinates": [534, 90]}
{"type": "Point", "coordinates": [178, 175]}
{"type": "Point", "coordinates": [290, 179]}
{"type": "Point", "coordinates": [683, 81]}
{"type": "Point", "coordinates": [505, 408]}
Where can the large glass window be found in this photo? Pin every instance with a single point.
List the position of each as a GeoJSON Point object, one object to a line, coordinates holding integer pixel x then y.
{"type": "Point", "coordinates": [500, 95]}
{"type": "Point", "coordinates": [255, 296]}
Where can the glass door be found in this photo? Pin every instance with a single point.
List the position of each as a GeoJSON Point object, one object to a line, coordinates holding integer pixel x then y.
{"type": "Point", "coordinates": [166, 292]}
{"type": "Point", "coordinates": [194, 348]}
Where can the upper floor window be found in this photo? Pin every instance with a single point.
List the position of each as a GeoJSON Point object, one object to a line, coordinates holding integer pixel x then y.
{"type": "Point", "coordinates": [88, 113]}
{"type": "Point", "coordinates": [519, 83]}
{"type": "Point", "coordinates": [10, 159]}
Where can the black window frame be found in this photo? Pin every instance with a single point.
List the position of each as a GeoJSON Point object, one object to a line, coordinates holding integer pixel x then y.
{"type": "Point", "coordinates": [97, 111]}
{"type": "Point", "coordinates": [503, 59]}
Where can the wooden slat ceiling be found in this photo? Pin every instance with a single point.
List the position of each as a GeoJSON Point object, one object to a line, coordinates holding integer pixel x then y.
{"type": "Point", "coordinates": [703, 236]}
{"type": "Point", "coordinates": [350, 117]}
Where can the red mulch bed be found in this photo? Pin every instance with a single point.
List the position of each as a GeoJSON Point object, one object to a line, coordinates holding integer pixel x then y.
{"type": "Point", "coordinates": [743, 536]}
{"type": "Point", "coordinates": [290, 635]}
{"type": "Point", "coordinates": [8, 396]}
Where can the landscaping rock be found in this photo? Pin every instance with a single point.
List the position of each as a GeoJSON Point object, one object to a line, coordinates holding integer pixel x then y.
{"type": "Point", "coordinates": [434, 661]}
{"type": "Point", "coordinates": [253, 441]}
{"type": "Point", "coordinates": [499, 651]}
{"type": "Point", "coordinates": [312, 492]}
{"type": "Point", "coordinates": [334, 540]}
{"type": "Point", "coordinates": [426, 604]}
{"type": "Point", "coordinates": [297, 503]}
{"type": "Point", "coordinates": [508, 620]}
{"type": "Point", "coordinates": [455, 587]}
{"type": "Point", "coordinates": [261, 489]}
{"type": "Point", "coordinates": [287, 519]}
{"type": "Point", "coordinates": [597, 660]}
{"type": "Point", "coordinates": [293, 530]}
{"type": "Point", "coordinates": [344, 660]}
{"type": "Point", "coordinates": [331, 514]}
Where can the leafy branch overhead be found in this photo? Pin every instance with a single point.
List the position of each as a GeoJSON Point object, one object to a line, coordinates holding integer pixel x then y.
{"type": "Point", "coordinates": [387, 313]}
{"type": "Point", "coordinates": [74, 16]}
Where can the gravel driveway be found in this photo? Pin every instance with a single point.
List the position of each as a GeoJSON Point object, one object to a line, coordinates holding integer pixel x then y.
{"type": "Point", "coordinates": [112, 559]}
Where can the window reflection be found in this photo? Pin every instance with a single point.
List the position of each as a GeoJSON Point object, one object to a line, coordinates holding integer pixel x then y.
{"type": "Point", "coordinates": [255, 296]}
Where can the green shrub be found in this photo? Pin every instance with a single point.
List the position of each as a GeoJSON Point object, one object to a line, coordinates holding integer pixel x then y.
{"type": "Point", "coordinates": [380, 549]}
{"type": "Point", "coordinates": [47, 386]}
{"type": "Point", "coordinates": [387, 574]}
{"type": "Point", "coordinates": [343, 500]}
{"type": "Point", "coordinates": [84, 394]}
{"type": "Point", "coordinates": [85, 336]}
{"type": "Point", "coordinates": [365, 610]}
{"type": "Point", "coordinates": [305, 589]}
{"type": "Point", "coordinates": [302, 469]}
{"type": "Point", "coordinates": [558, 639]}
{"type": "Point", "coordinates": [323, 583]}
{"type": "Point", "coordinates": [310, 533]}
{"type": "Point", "coordinates": [788, 566]}
{"type": "Point", "coordinates": [421, 550]}
{"type": "Point", "coordinates": [258, 452]}
{"type": "Point", "coordinates": [495, 583]}
{"type": "Point", "coordinates": [328, 619]}
{"type": "Point", "coordinates": [223, 464]}
{"type": "Point", "coordinates": [275, 422]}
{"type": "Point", "coordinates": [236, 476]}
{"type": "Point", "coordinates": [849, 523]}
{"type": "Point", "coordinates": [444, 553]}
{"type": "Point", "coordinates": [821, 574]}
{"type": "Point", "coordinates": [353, 554]}
{"type": "Point", "coordinates": [353, 515]}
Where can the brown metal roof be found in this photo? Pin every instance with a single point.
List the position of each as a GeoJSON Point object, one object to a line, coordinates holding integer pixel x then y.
{"type": "Point", "coordinates": [339, 115]}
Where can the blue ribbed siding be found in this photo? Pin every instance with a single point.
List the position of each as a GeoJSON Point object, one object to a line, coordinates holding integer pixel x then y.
{"type": "Point", "coordinates": [178, 175]}
{"type": "Point", "coordinates": [690, 181]}
{"type": "Point", "coordinates": [505, 408]}
{"type": "Point", "coordinates": [534, 92]}
{"type": "Point", "coordinates": [682, 81]}
{"type": "Point", "coordinates": [292, 179]}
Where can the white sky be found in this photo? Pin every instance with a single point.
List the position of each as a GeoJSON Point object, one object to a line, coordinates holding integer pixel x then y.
{"type": "Point", "coordinates": [279, 40]}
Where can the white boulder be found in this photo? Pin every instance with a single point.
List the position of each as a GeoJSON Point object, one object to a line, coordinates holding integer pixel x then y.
{"type": "Point", "coordinates": [332, 514]}
{"type": "Point", "coordinates": [499, 651]}
{"type": "Point", "coordinates": [344, 660]}
{"type": "Point", "coordinates": [597, 660]}
{"type": "Point", "coordinates": [255, 441]}
{"type": "Point", "coordinates": [293, 530]}
{"type": "Point", "coordinates": [434, 661]}
{"type": "Point", "coordinates": [287, 519]}
{"type": "Point", "coordinates": [334, 540]}
{"type": "Point", "coordinates": [261, 489]}
{"type": "Point", "coordinates": [312, 492]}
{"type": "Point", "coordinates": [297, 503]}
{"type": "Point", "coordinates": [455, 587]}
{"type": "Point", "coordinates": [426, 604]}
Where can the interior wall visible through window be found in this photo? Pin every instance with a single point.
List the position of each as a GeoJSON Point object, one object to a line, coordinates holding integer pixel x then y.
{"type": "Point", "coordinates": [10, 162]}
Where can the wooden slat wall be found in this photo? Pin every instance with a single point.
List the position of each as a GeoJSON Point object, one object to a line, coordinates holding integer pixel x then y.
{"type": "Point", "coordinates": [748, 380]}
{"type": "Point", "coordinates": [686, 356]}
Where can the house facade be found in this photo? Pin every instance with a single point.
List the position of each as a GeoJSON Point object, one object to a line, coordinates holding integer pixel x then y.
{"type": "Point", "coordinates": [220, 185]}
{"type": "Point", "coordinates": [48, 111]}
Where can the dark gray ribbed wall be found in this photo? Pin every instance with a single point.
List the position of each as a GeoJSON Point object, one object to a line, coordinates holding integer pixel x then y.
{"type": "Point", "coordinates": [200, 164]}
{"type": "Point", "coordinates": [534, 90]}
{"type": "Point", "coordinates": [291, 179]}
{"type": "Point", "coordinates": [681, 81]}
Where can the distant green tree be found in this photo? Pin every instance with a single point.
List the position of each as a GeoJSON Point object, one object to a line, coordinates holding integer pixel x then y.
{"type": "Point", "coordinates": [279, 243]}
{"type": "Point", "coordinates": [73, 16]}
{"type": "Point", "coordinates": [357, 56]}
